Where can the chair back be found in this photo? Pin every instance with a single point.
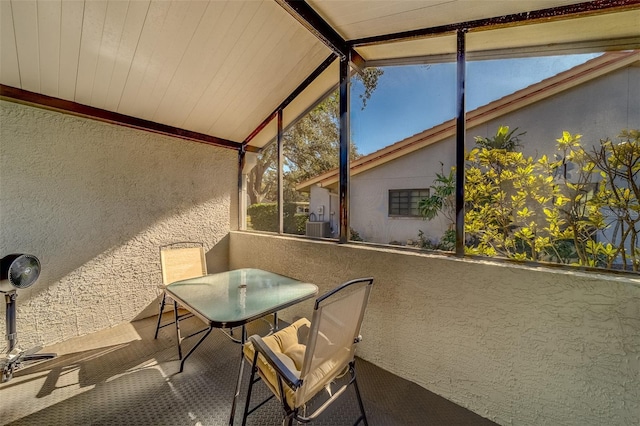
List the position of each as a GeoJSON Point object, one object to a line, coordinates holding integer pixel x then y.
{"type": "Point", "coordinates": [334, 332]}
{"type": "Point", "coordinates": [180, 261]}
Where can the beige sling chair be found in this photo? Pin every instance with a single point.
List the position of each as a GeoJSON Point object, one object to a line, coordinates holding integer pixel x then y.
{"type": "Point", "coordinates": [303, 359]}
{"type": "Point", "coordinates": [179, 261]}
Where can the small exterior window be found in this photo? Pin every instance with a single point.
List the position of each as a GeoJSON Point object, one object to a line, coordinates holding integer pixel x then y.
{"type": "Point", "coordinates": [404, 202]}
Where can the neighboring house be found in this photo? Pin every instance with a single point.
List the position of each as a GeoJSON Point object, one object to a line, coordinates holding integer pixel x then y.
{"type": "Point", "coordinates": [596, 99]}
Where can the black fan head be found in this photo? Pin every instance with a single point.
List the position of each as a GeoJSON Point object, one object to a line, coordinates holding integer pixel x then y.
{"type": "Point", "coordinates": [18, 271]}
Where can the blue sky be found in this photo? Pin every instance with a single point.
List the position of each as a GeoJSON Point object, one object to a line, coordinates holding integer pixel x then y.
{"type": "Point", "coordinates": [410, 99]}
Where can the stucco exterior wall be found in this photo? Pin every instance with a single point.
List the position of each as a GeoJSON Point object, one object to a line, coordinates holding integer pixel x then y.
{"type": "Point", "coordinates": [324, 206]}
{"type": "Point", "coordinates": [93, 202]}
{"type": "Point", "coordinates": [369, 202]}
{"type": "Point", "coordinates": [597, 109]}
{"type": "Point", "coordinates": [516, 344]}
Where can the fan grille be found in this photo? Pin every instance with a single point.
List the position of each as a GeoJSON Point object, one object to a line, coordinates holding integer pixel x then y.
{"type": "Point", "coordinates": [24, 271]}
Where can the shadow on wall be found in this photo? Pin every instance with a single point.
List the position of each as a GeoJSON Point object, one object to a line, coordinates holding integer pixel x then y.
{"type": "Point", "coordinates": [218, 257]}
{"type": "Point", "coordinates": [94, 201]}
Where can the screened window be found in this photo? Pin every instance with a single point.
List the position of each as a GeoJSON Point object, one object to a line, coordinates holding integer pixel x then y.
{"type": "Point", "coordinates": [404, 202]}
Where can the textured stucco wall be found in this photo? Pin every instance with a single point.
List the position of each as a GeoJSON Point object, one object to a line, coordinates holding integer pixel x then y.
{"type": "Point", "coordinates": [94, 202]}
{"type": "Point", "coordinates": [516, 344]}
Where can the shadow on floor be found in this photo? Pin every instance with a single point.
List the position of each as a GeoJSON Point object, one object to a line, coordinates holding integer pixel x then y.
{"type": "Point", "coordinates": [122, 376]}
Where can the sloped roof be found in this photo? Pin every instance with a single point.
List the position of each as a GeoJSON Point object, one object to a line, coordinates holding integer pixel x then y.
{"type": "Point", "coordinates": [216, 70]}
{"type": "Point", "coordinates": [573, 77]}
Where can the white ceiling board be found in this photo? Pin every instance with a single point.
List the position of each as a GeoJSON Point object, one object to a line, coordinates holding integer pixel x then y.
{"type": "Point", "coordinates": [234, 44]}
{"type": "Point", "coordinates": [199, 63]}
{"type": "Point", "coordinates": [131, 32]}
{"type": "Point", "coordinates": [430, 46]}
{"type": "Point", "coordinates": [180, 23]}
{"type": "Point", "coordinates": [148, 42]}
{"type": "Point", "coordinates": [70, 33]}
{"type": "Point", "coordinates": [49, 13]}
{"type": "Point", "coordinates": [357, 19]}
{"type": "Point", "coordinates": [255, 45]}
{"type": "Point", "coordinates": [175, 53]}
{"type": "Point", "coordinates": [603, 27]}
{"type": "Point", "coordinates": [110, 42]}
{"type": "Point", "coordinates": [26, 35]}
{"type": "Point", "coordinates": [268, 78]}
{"type": "Point", "coordinates": [236, 94]}
{"type": "Point", "coordinates": [9, 70]}
{"type": "Point", "coordinates": [549, 36]}
{"type": "Point", "coordinates": [269, 58]}
{"type": "Point", "coordinates": [95, 14]}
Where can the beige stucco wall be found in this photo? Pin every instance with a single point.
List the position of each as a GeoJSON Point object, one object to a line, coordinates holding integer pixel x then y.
{"type": "Point", "coordinates": [516, 344]}
{"type": "Point", "coordinates": [94, 201]}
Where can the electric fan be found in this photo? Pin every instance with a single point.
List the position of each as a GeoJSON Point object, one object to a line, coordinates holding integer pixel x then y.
{"type": "Point", "coordinates": [17, 271]}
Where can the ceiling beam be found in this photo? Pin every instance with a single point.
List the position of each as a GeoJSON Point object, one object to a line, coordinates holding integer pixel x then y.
{"type": "Point", "coordinates": [312, 21]}
{"type": "Point", "coordinates": [13, 94]}
{"type": "Point", "coordinates": [569, 11]}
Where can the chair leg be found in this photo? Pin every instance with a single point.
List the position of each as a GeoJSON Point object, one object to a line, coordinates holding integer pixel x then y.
{"type": "Point", "coordinates": [175, 314]}
{"type": "Point", "coordinates": [355, 385]}
{"type": "Point", "coordinates": [251, 380]}
{"type": "Point", "coordinates": [162, 303]}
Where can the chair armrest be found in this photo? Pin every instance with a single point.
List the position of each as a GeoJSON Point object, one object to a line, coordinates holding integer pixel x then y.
{"type": "Point", "coordinates": [282, 370]}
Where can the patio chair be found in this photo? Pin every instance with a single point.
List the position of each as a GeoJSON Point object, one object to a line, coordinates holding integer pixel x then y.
{"type": "Point", "coordinates": [179, 261]}
{"type": "Point", "coordinates": [298, 362]}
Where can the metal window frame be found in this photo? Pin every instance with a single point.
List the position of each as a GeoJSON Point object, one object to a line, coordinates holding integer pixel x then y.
{"type": "Point", "coordinates": [345, 51]}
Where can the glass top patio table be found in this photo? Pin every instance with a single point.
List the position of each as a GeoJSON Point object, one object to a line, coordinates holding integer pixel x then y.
{"type": "Point", "coordinates": [234, 298]}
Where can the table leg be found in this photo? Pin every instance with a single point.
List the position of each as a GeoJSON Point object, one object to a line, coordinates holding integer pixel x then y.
{"type": "Point", "coordinates": [195, 346]}
{"type": "Point", "coordinates": [243, 339]}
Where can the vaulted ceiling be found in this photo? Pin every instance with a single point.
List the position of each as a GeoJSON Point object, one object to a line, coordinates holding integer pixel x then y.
{"type": "Point", "coordinates": [217, 70]}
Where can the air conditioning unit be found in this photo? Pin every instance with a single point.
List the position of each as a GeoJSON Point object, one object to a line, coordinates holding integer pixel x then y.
{"type": "Point", "coordinates": [318, 229]}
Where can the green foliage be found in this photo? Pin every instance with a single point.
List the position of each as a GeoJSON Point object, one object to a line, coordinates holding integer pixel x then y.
{"type": "Point", "coordinates": [424, 242]}
{"type": "Point", "coordinates": [299, 224]}
{"type": "Point", "coordinates": [575, 223]}
{"type": "Point", "coordinates": [581, 207]}
{"type": "Point", "coordinates": [503, 139]}
{"type": "Point", "coordinates": [441, 198]}
{"type": "Point", "coordinates": [370, 82]}
{"type": "Point", "coordinates": [264, 217]}
{"type": "Point", "coordinates": [446, 243]}
{"type": "Point", "coordinates": [310, 147]}
{"type": "Point", "coordinates": [354, 235]}
{"type": "Point", "coordinates": [506, 195]}
{"type": "Point", "coordinates": [448, 240]}
{"type": "Point", "coordinates": [617, 198]}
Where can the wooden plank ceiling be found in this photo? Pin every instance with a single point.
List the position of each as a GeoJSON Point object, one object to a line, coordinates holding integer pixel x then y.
{"type": "Point", "coordinates": [216, 68]}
